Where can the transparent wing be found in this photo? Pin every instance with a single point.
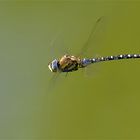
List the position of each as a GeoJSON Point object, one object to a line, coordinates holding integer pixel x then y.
{"type": "Point", "coordinates": [55, 46]}
{"type": "Point", "coordinates": [91, 38]}
{"type": "Point", "coordinates": [53, 81]}
{"type": "Point", "coordinates": [92, 70]}
{"type": "Point", "coordinates": [95, 38]}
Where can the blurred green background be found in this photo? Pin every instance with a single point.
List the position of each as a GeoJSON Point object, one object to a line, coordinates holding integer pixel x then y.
{"type": "Point", "coordinates": [101, 104]}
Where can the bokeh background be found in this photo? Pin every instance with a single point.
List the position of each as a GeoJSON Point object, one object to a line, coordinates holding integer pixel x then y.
{"type": "Point", "coordinates": [100, 102]}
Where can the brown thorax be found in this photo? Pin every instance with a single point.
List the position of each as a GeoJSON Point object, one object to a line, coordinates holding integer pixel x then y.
{"type": "Point", "coordinates": [69, 63]}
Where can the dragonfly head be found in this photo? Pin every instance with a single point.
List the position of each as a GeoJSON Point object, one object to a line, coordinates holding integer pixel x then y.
{"type": "Point", "coordinates": [53, 66]}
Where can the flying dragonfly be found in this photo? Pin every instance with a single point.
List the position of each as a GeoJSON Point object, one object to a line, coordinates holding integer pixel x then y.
{"type": "Point", "coordinates": [69, 63]}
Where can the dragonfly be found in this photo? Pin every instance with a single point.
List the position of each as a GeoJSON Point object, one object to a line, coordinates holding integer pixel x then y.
{"type": "Point", "coordinates": [70, 63]}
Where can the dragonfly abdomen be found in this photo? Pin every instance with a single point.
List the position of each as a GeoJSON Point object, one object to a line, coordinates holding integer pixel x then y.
{"type": "Point", "coordinates": [86, 62]}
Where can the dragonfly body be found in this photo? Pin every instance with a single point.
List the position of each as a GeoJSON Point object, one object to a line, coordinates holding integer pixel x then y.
{"type": "Point", "coordinates": [66, 63]}
{"type": "Point", "coordinates": [69, 63]}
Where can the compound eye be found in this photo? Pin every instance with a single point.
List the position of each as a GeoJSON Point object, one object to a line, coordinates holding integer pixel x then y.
{"type": "Point", "coordinates": [53, 66]}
